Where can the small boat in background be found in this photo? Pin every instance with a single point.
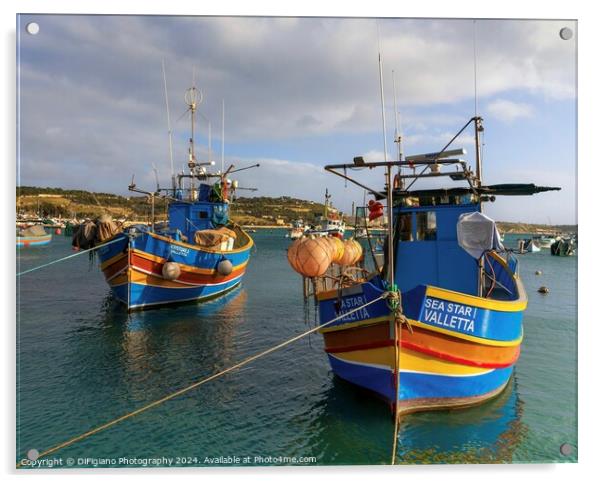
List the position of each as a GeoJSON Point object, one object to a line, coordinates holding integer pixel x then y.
{"type": "Point", "coordinates": [33, 236]}
{"type": "Point", "coordinates": [331, 223]}
{"type": "Point", "coordinates": [563, 247]}
{"type": "Point", "coordinates": [545, 240]}
{"type": "Point", "coordinates": [528, 245]}
{"type": "Point", "coordinates": [298, 230]}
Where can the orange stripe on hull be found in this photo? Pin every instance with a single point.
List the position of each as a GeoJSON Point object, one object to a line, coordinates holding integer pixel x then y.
{"type": "Point", "coordinates": [117, 265]}
{"type": "Point", "coordinates": [153, 268]}
{"type": "Point", "coordinates": [136, 276]}
{"type": "Point", "coordinates": [423, 341]}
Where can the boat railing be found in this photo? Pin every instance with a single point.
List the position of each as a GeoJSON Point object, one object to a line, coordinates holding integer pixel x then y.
{"type": "Point", "coordinates": [500, 270]}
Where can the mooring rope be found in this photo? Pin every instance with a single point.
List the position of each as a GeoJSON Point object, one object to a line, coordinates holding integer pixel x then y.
{"type": "Point", "coordinates": [81, 252]}
{"type": "Point", "coordinates": [394, 304]}
{"type": "Point", "coordinates": [189, 388]}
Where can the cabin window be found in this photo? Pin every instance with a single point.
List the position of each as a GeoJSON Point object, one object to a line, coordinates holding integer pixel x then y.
{"type": "Point", "coordinates": [426, 225]}
{"type": "Point", "coordinates": [404, 227]}
{"type": "Point", "coordinates": [203, 215]}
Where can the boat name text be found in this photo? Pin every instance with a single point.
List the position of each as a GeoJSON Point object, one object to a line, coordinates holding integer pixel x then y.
{"type": "Point", "coordinates": [449, 314]}
{"type": "Point", "coordinates": [178, 250]}
{"type": "Point", "coordinates": [353, 303]}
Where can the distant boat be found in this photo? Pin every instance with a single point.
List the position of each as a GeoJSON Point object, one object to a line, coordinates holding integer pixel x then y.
{"type": "Point", "coordinates": [298, 230]}
{"type": "Point", "coordinates": [528, 245]}
{"type": "Point", "coordinates": [199, 255]}
{"type": "Point", "coordinates": [563, 247]}
{"type": "Point", "coordinates": [34, 236]}
{"type": "Point", "coordinates": [545, 241]}
{"type": "Point", "coordinates": [331, 222]}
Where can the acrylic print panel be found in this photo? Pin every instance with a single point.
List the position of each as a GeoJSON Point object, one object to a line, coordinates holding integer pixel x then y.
{"type": "Point", "coordinates": [195, 289]}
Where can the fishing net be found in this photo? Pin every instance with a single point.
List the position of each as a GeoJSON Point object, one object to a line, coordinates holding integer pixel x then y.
{"type": "Point", "coordinates": [107, 228]}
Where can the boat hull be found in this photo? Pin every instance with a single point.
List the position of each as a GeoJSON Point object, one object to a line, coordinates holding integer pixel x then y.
{"type": "Point", "coordinates": [33, 241]}
{"type": "Point", "coordinates": [133, 268]}
{"type": "Point", "coordinates": [455, 350]}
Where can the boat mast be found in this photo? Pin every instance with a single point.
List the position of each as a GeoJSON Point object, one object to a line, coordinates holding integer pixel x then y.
{"type": "Point", "coordinates": [326, 202]}
{"type": "Point", "coordinates": [478, 129]}
{"type": "Point", "coordinates": [192, 97]}
{"type": "Point", "coordinates": [478, 121]}
{"type": "Point", "coordinates": [223, 122]}
{"type": "Point", "coordinates": [173, 176]}
{"type": "Point", "coordinates": [390, 275]}
{"type": "Point", "coordinates": [397, 132]}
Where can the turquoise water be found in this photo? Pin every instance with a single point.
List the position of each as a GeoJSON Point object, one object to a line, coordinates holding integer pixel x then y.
{"type": "Point", "coordinates": [83, 361]}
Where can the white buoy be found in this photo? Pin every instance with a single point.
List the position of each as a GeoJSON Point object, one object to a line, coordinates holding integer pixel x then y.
{"type": "Point", "coordinates": [170, 271]}
{"type": "Point", "coordinates": [224, 267]}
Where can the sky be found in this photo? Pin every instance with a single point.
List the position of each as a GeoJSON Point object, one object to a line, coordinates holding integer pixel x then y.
{"type": "Point", "coordinates": [299, 93]}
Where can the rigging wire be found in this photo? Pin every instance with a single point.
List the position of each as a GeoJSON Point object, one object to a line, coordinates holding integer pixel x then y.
{"type": "Point", "coordinates": [81, 252]}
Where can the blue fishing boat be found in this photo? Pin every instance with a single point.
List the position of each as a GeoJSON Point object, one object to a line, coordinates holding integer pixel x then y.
{"type": "Point", "coordinates": [445, 326]}
{"type": "Point", "coordinates": [197, 255]}
{"type": "Point", "coordinates": [34, 236]}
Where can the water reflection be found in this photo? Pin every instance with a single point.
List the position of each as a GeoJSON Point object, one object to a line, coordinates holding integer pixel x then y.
{"type": "Point", "coordinates": [349, 421]}
{"type": "Point", "coordinates": [143, 356]}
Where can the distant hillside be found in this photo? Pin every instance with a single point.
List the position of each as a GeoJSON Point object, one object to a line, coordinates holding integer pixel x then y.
{"type": "Point", "coordinates": [509, 227]}
{"type": "Point", "coordinates": [55, 202]}
{"type": "Point", "coordinates": [269, 211]}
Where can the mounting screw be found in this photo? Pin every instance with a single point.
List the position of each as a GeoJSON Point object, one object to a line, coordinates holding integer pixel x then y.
{"type": "Point", "coordinates": [566, 33]}
{"type": "Point", "coordinates": [566, 449]}
{"type": "Point", "coordinates": [32, 28]}
{"type": "Point", "coordinates": [33, 454]}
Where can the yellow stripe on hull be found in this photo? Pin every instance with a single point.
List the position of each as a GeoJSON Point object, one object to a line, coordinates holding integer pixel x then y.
{"type": "Point", "coordinates": [479, 302]}
{"type": "Point", "coordinates": [112, 260]}
{"type": "Point", "coordinates": [409, 361]}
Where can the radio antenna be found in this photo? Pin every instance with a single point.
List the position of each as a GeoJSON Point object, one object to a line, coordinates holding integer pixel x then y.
{"type": "Point", "coordinates": [223, 122]}
{"type": "Point", "coordinates": [474, 63]}
{"type": "Point", "coordinates": [397, 131]}
{"type": "Point", "coordinates": [169, 134]}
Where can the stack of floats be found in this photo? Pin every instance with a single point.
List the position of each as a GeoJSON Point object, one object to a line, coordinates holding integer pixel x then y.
{"type": "Point", "coordinates": [317, 258]}
{"type": "Point", "coordinates": [446, 333]}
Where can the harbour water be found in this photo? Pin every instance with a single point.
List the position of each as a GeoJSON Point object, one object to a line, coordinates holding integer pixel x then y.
{"type": "Point", "coordinates": [83, 361]}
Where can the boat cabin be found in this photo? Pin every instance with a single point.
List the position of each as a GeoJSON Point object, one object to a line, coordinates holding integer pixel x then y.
{"type": "Point", "coordinates": [205, 213]}
{"type": "Point", "coordinates": [427, 251]}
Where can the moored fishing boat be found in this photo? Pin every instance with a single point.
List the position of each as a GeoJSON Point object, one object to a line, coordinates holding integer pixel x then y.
{"type": "Point", "coordinates": [331, 223]}
{"type": "Point", "coordinates": [297, 230]}
{"type": "Point", "coordinates": [545, 240]}
{"type": "Point", "coordinates": [563, 247]}
{"type": "Point", "coordinates": [33, 236]}
{"type": "Point", "coordinates": [197, 255]}
{"type": "Point", "coordinates": [528, 245]}
{"type": "Point", "coordinates": [444, 324]}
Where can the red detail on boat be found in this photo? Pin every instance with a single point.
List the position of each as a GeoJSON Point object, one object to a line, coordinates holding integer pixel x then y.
{"type": "Point", "coordinates": [425, 350]}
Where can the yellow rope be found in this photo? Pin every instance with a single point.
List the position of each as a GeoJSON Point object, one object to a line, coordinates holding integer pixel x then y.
{"type": "Point", "coordinates": [81, 252]}
{"type": "Point", "coordinates": [197, 384]}
{"type": "Point", "coordinates": [396, 395]}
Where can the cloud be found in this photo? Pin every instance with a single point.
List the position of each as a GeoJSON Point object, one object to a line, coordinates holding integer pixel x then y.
{"type": "Point", "coordinates": [92, 110]}
{"type": "Point", "coordinates": [509, 111]}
